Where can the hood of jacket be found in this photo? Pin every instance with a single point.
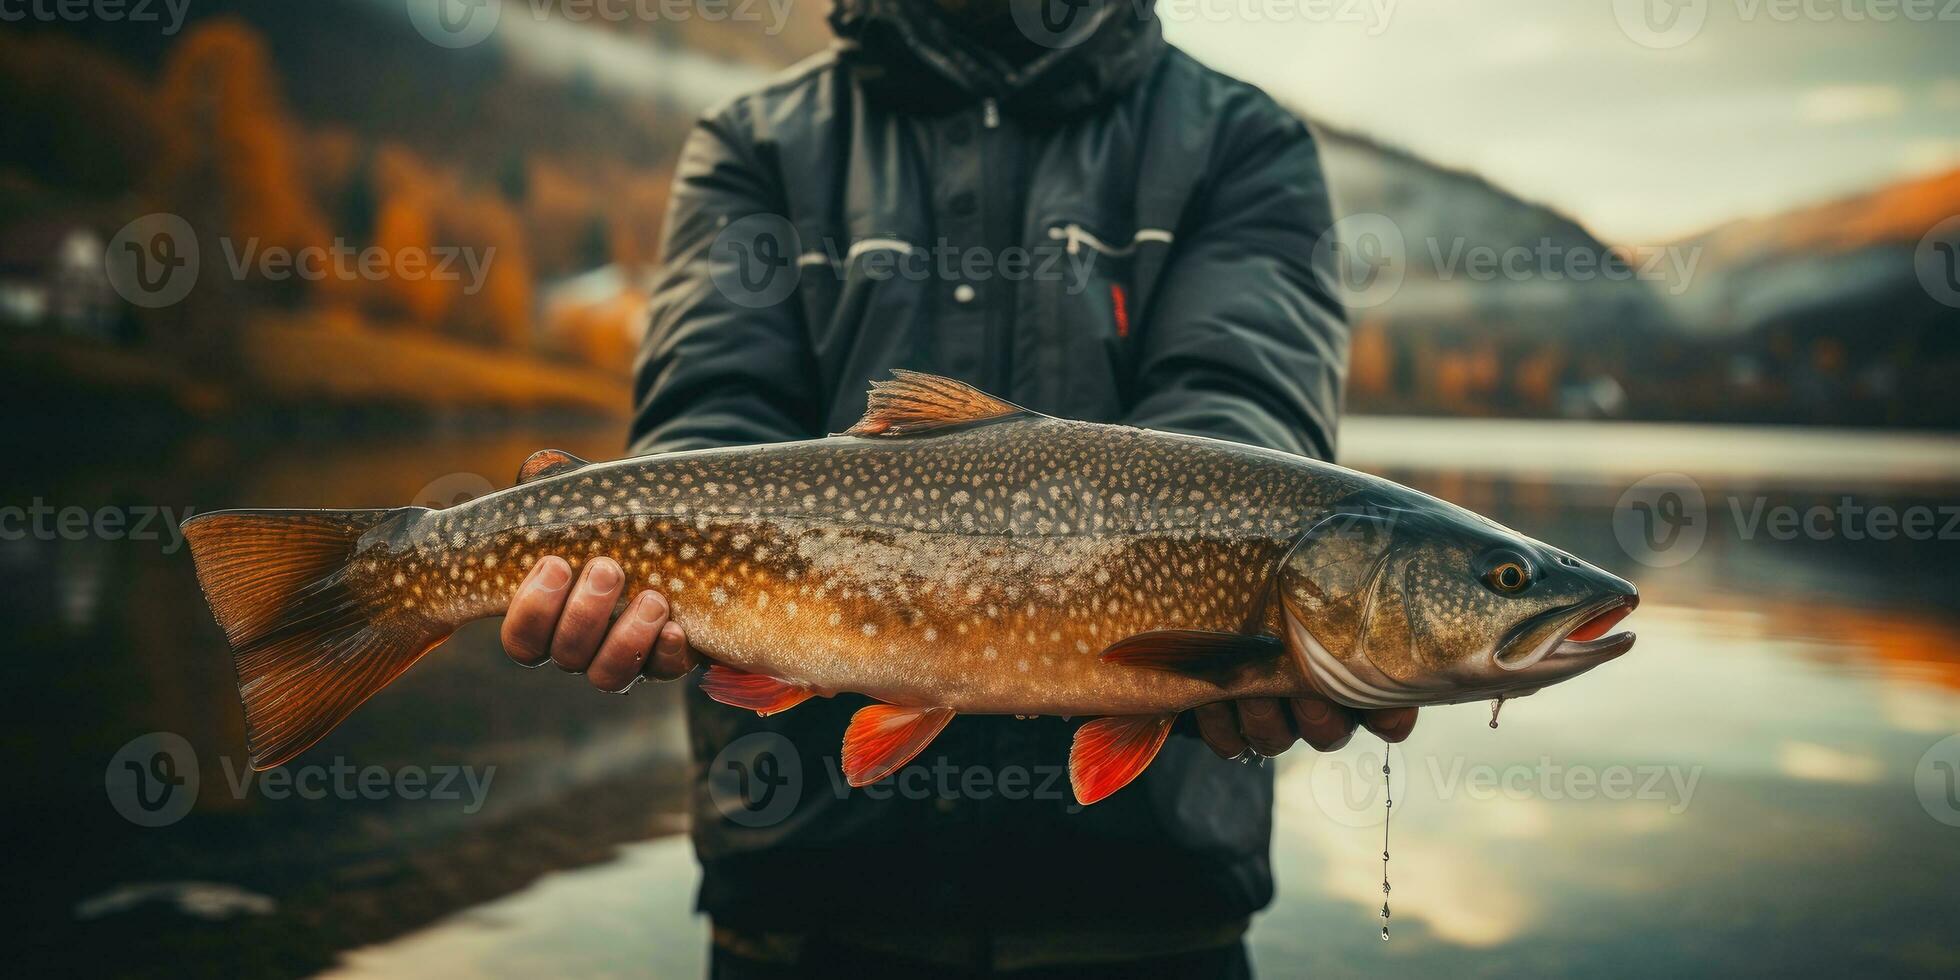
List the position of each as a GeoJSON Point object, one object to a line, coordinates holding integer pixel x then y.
{"type": "Point", "coordinates": [913, 55]}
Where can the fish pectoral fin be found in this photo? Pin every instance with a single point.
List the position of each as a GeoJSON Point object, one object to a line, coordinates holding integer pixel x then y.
{"type": "Point", "coordinates": [547, 462]}
{"type": "Point", "coordinates": [914, 402]}
{"type": "Point", "coordinates": [1110, 752]}
{"type": "Point", "coordinates": [759, 693]}
{"type": "Point", "coordinates": [884, 737]}
{"type": "Point", "coordinates": [1198, 653]}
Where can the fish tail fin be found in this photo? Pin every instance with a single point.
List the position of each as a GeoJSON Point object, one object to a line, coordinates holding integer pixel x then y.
{"type": "Point", "coordinates": [309, 646]}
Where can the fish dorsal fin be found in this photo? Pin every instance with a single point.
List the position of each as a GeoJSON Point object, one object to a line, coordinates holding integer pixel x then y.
{"type": "Point", "coordinates": [548, 462]}
{"type": "Point", "coordinates": [914, 402]}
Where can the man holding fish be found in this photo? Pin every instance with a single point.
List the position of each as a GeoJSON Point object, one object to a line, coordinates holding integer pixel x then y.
{"type": "Point", "coordinates": [1052, 604]}
{"type": "Point", "coordinates": [1196, 204]}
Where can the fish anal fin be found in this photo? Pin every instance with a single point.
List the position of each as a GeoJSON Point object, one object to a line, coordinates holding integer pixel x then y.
{"type": "Point", "coordinates": [882, 738]}
{"type": "Point", "coordinates": [1110, 752]}
{"type": "Point", "coordinates": [547, 462]}
{"type": "Point", "coordinates": [759, 693]}
{"type": "Point", "coordinates": [1198, 653]}
{"type": "Point", "coordinates": [914, 402]}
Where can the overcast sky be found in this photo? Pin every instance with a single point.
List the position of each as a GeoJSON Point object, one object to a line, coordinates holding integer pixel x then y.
{"type": "Point", "coordinates": [1645, 119]}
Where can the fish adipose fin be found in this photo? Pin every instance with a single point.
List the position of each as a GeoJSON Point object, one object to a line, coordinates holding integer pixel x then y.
{"type": "Point", "coordinates": [1109, 752]}
{"type": "Point", "coordinates": [307, 648]}
{"type": "Point", "coordinates": [1197, 653]}
{"type": "Point", "coordinates": [884, 737]}
{"type": "Point", "coordinates": [913, 402]}
{"type": "Point", "coordinates": [759, 693]}
{"type": "Point", "coordinates": [547, 462]}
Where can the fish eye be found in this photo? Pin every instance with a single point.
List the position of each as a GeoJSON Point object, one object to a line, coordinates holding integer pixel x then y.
{"type": "Point", "coordinates": [1507, 574]}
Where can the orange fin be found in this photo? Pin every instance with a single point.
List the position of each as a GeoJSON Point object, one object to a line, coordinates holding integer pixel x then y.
{"type": "Point", "coordinates": [1198, 653]}
{"type": "Point", "coordinates": [548, 462]}
{"type": "Point", "coordinates": [759, 693]}
{"type": "Point", "coordinates": [913, 402]}
{"type": "Point", "coordinates": [309, 647]}
{"type": "Point", "coordinates": [1109, 752]}
{"type": "Point", "coordinates": [884, 737]}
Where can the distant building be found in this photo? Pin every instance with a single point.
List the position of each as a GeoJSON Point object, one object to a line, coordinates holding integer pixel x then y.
{"type": "Point", "coordinates": [52, 279]}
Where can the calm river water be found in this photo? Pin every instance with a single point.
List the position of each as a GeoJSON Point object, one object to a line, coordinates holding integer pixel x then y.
{"type": "Point", "coordinates": [1767, 784]}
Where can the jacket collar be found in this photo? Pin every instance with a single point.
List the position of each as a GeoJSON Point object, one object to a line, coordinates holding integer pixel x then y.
{"type": "Point", "coordinates": [907, 53]}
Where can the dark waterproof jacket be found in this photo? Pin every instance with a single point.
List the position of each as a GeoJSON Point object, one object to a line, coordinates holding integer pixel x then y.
{"type": "Point", "coordinates": [1111, 232]}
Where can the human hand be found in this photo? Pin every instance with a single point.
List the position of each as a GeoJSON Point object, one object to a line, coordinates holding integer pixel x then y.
{"type": "Point", "coordinates": [554, 618]}
{"type": "Point", "coordinates": [1269, 726]}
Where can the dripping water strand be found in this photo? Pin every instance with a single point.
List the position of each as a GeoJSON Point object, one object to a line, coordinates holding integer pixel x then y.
{"type": "Point", "coordinates": [1495, 707]}
{"type": "Point", "coordinates": [1388, 808]}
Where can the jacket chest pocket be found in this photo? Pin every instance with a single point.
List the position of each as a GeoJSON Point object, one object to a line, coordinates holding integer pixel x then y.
{"type": "Point", "coordinates": [1091, 306]}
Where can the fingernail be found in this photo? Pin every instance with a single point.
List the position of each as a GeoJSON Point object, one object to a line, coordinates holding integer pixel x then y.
{"type": "Point", "coordinates": [672, 633]}
{"type": "Point", "coordinates": [552, 576]}
{"type": "Point", "coordinates": [650, 608]}
{"type": "Point", "coordinates": [603, 575]}
{"type": "Point", "coordinates": [1316, 711]}
{"type": "Point", "coordinates": [1341, 743]}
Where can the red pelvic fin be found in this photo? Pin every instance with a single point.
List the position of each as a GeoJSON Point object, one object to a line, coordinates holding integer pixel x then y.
{"type": "Point", "coordinates": [1109, 752]}
{"type": "Point", "coordinates": [1196, 652]}
{"type": "Point", "coordinates": [759, 693]}
{"type": "Point", "coordinates": [884, 737]}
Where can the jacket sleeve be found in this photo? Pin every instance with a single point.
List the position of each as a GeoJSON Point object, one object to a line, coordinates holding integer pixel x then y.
{"type": "Point", "coordinates": [719, 365]}
{"type": "Point", "coordinates": [1247, 340]}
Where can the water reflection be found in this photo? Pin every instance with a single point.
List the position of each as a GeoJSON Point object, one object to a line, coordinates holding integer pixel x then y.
{"type": "Point", "coordinates": [1781, 698]}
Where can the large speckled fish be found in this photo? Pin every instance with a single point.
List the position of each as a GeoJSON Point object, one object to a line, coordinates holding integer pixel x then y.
{"type": "Point", "coordinates": [951, 553]}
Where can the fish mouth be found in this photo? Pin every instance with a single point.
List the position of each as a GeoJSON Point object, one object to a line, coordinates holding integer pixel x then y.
{"type": "Point", "coordinates": [1562, 642]}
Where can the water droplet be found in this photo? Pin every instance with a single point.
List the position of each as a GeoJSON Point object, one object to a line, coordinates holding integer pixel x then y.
{"type": "Point", "coordinates": [1384, 934]}
{"type": "Point", "coordinates": [1495, 707]}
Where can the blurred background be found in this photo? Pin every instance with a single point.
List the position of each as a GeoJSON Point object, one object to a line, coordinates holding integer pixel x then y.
{"type": "Point", "coordinates": [1633, 276]}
